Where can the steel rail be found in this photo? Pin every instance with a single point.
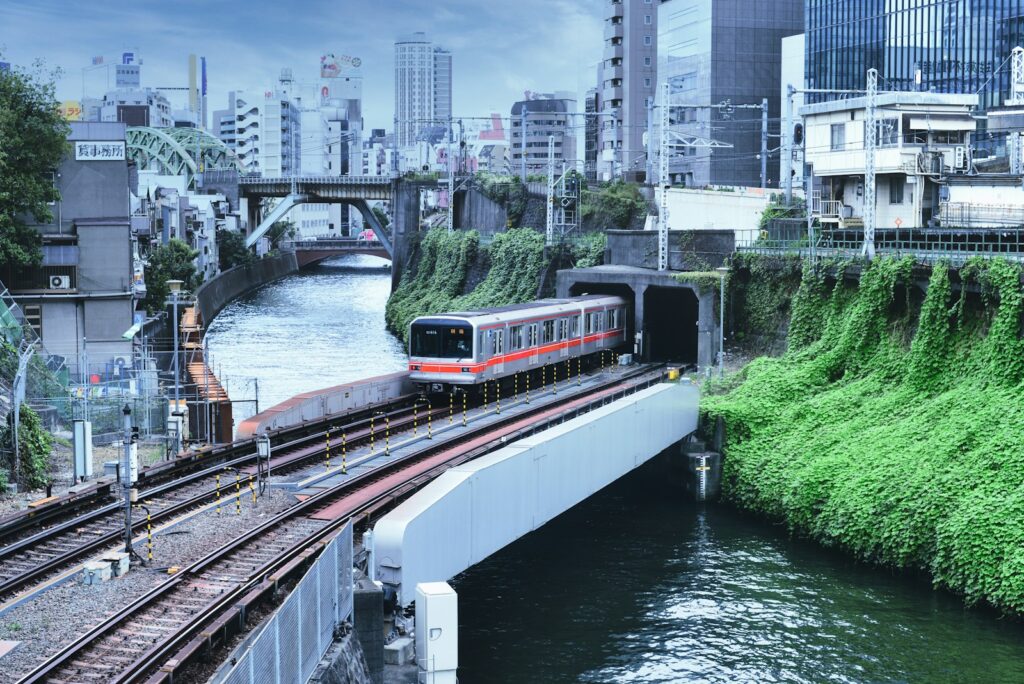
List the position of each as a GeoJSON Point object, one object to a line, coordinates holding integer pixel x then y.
{"type": "Point", "coordinates": [155, 656]}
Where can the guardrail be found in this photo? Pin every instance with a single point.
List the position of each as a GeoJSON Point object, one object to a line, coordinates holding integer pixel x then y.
{"type": "Point", "coordinates": [928, 245]}
{"type": "Point", "coordinates": [327, 180]}
{"type": "Point", "coordinates": [969, 215]}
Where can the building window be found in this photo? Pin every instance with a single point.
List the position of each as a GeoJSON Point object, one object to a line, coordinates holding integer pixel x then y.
{"type": "Point", "coordinates": [897, 184]}
{"type": "Point", "coordinates": [647, 61]}
{"type": "Point", "coordinates": [647, 83]}
{"type": "Point", "coordinates": [647, 40]}
{"type": "Point", "coordinates": [647, 19]}
{"type": "Point", "coordinates": [838, 137]}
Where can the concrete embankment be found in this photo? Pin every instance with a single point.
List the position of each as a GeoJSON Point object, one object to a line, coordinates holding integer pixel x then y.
{"type": "Point", "coordinates": [216, 294]}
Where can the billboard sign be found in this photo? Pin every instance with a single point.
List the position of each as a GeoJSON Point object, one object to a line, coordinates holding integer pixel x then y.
{"type": "Point", "coordinates": [127, 58]}
{"type": "Point", "coordinates": [332, 66]}
{"type": "Point", "coordinates": [99, 150]}
{"type": "Point", "coordinates": [71, 110]}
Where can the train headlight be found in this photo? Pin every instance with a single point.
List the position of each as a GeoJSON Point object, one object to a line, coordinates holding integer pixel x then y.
{"type": "Point", "coordinates": [415, 368]}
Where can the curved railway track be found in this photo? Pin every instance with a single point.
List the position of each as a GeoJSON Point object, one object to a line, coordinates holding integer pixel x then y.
{"type": "Point", "coordinates": [160, 632]}
{"type": "Point", "coordinates": [55, 548]}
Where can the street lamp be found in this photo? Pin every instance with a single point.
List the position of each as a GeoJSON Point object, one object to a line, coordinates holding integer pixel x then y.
{"type": "Point", "coordinates": [722, 272]}
{"type": "Point", "coordinates": [175, 287]}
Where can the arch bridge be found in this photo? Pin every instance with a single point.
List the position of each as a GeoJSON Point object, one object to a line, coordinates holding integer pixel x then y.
{"type": "Point", "coordinates": [179, 151]}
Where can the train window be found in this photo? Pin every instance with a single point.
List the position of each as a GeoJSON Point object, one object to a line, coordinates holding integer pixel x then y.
{"type": "Point", "coordinates": [589, 324]}
{"type": "Point", "coordinates": [599, 321]}
{"type": "Point", "coordinates": [532, 331]}
{"type": "Point", "coordinates": [548, 334]}
{"type": "Point", "coordinates": [613, 319]}
{"type": "Point", "coordinates": [574, 324]}
{"type": "Point", "coordinates": [563, 329]}
{"type": "Point", "coordinates": [499, 341]}
{"type": "Point", "coordinates": [436, 341]}
{"type": "Point", "coordinates": [515, 338]}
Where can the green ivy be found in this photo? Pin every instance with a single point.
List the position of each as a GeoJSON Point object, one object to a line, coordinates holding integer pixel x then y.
{"type": "Point", "coordinates": [436, 285]}
{"type": "Point", "coordinates": [34, 446]}
{"type": "Point", "coordinates": [892, 430]}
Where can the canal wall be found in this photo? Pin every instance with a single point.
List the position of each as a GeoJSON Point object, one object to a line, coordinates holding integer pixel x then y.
{"type": "Point", "coordinates": [214, 295]}
{"type": "Point", "coordinates": [319, 404]}
{"type": "Point", "coordinates": [893, 425]}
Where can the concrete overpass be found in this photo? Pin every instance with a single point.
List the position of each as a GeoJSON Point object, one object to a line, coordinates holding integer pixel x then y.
{"type": "Point", "coordinates": [314, 250]}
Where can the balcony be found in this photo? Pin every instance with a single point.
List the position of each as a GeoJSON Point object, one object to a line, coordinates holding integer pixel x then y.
{"type": "Point", "coordinates": [613, 30]}
{"type": "Point", "coordinates": [614, 52]}
{"type": "Point", "coordinates": [613, 92]}
{"type": "Point", "coordinates": [617, 11]}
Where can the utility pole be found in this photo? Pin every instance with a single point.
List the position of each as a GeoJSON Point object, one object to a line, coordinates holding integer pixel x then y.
{"type": "Point", "coordinates": [451, 180]}
{"type": "Point", "coordinates": [870, 143]}
{"type": "Point", "coordinates": [522, 142]}
{"type": "Point", "coordinates": [550, 231]}
{"type": "Point", "coordinates": [1015, 140]}
{"type": "Point", "coordinates": [650, 142]}
{"type": "Point", "coordinates": [126, 478]}
{"type": "Point", "coordinates": [663, 178]}
{"type": "Point", "coordinates": [764, 144]}
{"type": "Point", "coordinates": [787, 144]}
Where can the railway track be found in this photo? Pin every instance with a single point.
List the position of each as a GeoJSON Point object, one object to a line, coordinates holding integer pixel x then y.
{"type": "Point", "coordinates": [160, 632]}
{"type": "Point", "coordinates": [104, 493]}
{"type": "Point", "coordinates": [55, 548]}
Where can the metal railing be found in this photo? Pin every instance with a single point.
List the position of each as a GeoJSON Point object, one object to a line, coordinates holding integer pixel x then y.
{"type": "Point", "coordinates": [969, 215]}
{"type": "Point", "coordinates": [254, 179]}
{"type": "Point", "coordinates": [291, 644]}
{"type": "Point", "coordinates": [926, 245]}
{"type": "Point", "coordinates": [331, 243]}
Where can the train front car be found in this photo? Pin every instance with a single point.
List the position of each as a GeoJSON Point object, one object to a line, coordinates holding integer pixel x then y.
{"type": "Point", "coordinates": [442, 354]}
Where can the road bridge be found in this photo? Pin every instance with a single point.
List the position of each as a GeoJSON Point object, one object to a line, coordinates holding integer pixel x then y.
{"type": "Point", "coordinates": [314, 250]}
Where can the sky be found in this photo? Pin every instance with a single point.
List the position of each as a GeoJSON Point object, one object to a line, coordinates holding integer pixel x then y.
{"type": "Point", "coordinates": [501, 48]}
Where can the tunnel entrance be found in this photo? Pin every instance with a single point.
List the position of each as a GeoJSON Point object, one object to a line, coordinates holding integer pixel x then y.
{"type": "Point", "coordinates": [671, 319]}
{"type": "Point", "coordinates": [615, 290]}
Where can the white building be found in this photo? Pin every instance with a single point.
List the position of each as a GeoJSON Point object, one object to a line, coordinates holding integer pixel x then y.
{"type": "Point", "coordinates": [922, 139]}
{"type": "Point", "coordinates": [269, 133]}
{"type": "Point", "coordinates": [423, 86]}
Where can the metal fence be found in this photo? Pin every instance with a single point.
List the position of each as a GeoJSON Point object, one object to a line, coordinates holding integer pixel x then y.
{"type": "Point", "coordinates": [927, 245]}
{"type": "Point", "coordinates": [290, 646]}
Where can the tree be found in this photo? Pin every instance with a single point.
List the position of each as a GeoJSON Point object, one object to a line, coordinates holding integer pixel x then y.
{"type": "Point", "coordinates": [280, 230]}
{"type": "Point", "coordinates": [231, 250]}
{"type": "Point", "coordinates": [34, 446]}
{"type": "Point", "coordinates": [382, 218]}
{"type": "Point", "coordinates": [173, 261]}
{"type": "Point", "coordinates": [33, 140]}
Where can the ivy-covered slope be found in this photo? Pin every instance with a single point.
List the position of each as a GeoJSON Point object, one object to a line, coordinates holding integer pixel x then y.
{"type": "Point", "coordinates": [516, 258]}
{"type": "Point", "coordinates": [893, 430]}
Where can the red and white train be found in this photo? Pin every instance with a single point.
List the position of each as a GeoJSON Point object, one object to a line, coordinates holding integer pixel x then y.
{"type": "Point", "coordinates": [458, 350]}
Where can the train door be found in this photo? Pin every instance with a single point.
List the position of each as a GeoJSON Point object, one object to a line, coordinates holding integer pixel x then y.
{"type": "Point", "coordinates": [531, 343]}
{"type": "Point", "coordinates": [562, 328]}
{"type": "Point", "coordinates": [499, 351]}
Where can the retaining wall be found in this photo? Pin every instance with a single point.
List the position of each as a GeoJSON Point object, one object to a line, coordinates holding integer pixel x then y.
{"type": "Point", "coordinates": [639, 248]}
{"type": "Point", "coordinates": [214, 295]}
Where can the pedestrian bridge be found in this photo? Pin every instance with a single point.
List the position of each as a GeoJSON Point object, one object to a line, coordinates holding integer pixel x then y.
{"type": "Point", "coordinates": [475, 509]}
{"type": "Point", "coordinates": [311, 251]}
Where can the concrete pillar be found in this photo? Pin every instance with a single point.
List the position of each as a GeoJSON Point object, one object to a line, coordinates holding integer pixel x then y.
{"type": "Point", "coordinates": [368, 616]}
{"type": "Point", "coordinates": [405, 224]}
{"type": "Point", "coordinates": [638, 320]}
{"type": "Point", "coordinates": [707, 329]}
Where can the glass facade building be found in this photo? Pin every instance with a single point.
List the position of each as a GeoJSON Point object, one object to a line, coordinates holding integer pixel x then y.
{"type": "Point", "coordinates": [947, 46]}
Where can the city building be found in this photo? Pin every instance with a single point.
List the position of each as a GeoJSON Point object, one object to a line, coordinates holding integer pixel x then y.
{"type": "Point", "coordinates": [591, 134]}
{"type": "Point", "coordinates": [224, 125]}
{"type": "Point", "coordinates": [545, 116]}
{"type": "Point", "coordinates": [946, 46]}
{"type": "Point", "coordinates": [82, 299]}
{"type": "Point", "coordinates": [129, 102]}
{"type": "Point", "coordinates": [627, 80]}
{"type": "Point", "coordinates": [718, 54]}
{"type": "Point", "coordinates": [423, 86]}
{"type": "Point", "coordinates": [268, 139]}
{"type": "Point", "coordinates": [923, 140]}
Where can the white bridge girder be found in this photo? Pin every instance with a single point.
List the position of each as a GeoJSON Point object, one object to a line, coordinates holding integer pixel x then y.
{"type": "Point", "coordinates": [475, 509]}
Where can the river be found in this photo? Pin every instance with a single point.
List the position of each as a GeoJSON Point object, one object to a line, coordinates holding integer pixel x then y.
{"type": "Point", "coordinates": [636, 584]}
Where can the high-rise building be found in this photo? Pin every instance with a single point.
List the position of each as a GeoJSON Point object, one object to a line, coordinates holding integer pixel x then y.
{"type": "Point", "coordinates": [224, 125]}
{"type": "Point", "coordinates": [591, 135]}
{"type": "Point", "coordinates": [268, 139]}
{"type": "Point", "coordinates": [423, 86]}
{"type": "Point", "coordinates": [627, 82]}
{"type": "Point", "coordinates": [547, 115]}
{"type": "Point", "coordinates": [717, 54]}
{"type": "Point", "coordinates": [946, 46]}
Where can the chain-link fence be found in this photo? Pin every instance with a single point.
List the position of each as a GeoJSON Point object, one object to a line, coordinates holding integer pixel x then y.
{"type": "Point", "coordinates": [295, 639]}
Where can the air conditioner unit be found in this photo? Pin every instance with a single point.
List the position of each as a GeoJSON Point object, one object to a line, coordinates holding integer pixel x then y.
{"type": "Point", "coordinates": [121, 364]}
{"type": "Point", "coordinates": [60, 282]}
